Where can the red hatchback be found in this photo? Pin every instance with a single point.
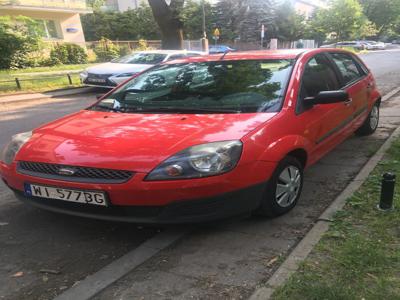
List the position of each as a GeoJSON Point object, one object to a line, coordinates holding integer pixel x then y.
{"type": "Point", "coordinates": [197, 139]}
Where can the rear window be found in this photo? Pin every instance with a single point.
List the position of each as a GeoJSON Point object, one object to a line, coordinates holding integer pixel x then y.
{"type": "Point", "coordinates": [217, 86]}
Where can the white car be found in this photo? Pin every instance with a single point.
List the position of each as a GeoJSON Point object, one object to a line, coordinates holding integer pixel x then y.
{"type": "Point", "coordinates": [372, 45]}
{"type": "Point", "coordinates": [111, 74]}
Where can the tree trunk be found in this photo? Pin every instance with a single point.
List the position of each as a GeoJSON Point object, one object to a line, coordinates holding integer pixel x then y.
{"type": "Point", "coordinates": [167, 18]}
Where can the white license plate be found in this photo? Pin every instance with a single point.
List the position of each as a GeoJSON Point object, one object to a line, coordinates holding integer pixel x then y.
{"type": "Point", "coordinates": [96, 80]}
{"type": "Point", "coordinates": [78, 196]}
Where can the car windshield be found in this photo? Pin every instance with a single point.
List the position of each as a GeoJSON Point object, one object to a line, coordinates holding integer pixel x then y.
{"type": "Point", "coordinates": [141, 58]}
{"type": "Point", "coordinates": [242, 86]}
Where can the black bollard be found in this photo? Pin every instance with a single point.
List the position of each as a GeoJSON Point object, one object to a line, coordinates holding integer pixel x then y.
{"type": "Point", "coordinates": [387, 191]}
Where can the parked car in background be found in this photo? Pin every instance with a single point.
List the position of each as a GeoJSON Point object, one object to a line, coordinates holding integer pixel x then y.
{"type": "Point", "coordinates": [373, 45]}
{"type": "Point", "coordinates": [118, 70]}
{"type": "Point", "coordinates": [328, 45]}
{"type": "Point", "coordinates": [205, 138]}
{"type": "Point", "coordinates": [214, 49]}
{"type": "Point", "coordinates": [357, 45]}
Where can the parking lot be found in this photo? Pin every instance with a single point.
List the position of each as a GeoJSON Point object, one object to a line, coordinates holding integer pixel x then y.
{"type": "Point", "coordinates": [43, 254]}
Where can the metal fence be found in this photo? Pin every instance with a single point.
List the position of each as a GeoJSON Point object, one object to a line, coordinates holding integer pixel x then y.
{"type": "Point", "coordinates": [20, 83]}
{"type": "Point", "coordinates": [194, 45]}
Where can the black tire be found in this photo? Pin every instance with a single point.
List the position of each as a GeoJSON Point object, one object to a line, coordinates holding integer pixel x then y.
{"type": "Point", "coordinates": [371, 122]}
{"type": "Point", "coordinates": [271, 204]}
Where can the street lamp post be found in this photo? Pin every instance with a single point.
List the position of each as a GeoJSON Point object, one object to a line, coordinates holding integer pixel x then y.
{"type": "Point", "coordinates": [204, 40]}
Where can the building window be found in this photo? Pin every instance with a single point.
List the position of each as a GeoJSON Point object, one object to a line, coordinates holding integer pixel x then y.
{"type": "Point", "coordinates": [49, 29]}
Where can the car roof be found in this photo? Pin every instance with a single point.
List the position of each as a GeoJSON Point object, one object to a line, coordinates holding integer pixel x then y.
{"type": "Point", "coordinates": [258, 54]}
{"type": "Point", "coordinates": [169, 52]}
{"type": "Point", "coordinates": [243, 55]}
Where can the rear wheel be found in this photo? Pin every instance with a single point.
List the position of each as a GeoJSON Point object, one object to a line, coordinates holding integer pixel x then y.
{"type": "Point", "coordinates": [371, 123]}
{"type": "Point", "coordinates": [283, 189]}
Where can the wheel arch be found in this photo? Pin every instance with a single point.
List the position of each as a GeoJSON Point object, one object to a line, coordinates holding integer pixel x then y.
{"type": "Point", "coordinates": [300, 154]}
{"type": "Point", "coordinates": [293, 145]}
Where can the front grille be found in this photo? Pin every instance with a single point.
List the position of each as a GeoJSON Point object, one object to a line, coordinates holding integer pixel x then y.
{"type": "Point", "coordinates": [78, 174]}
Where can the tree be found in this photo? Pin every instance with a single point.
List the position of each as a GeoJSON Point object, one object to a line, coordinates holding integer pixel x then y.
{"type": "Point", "coordinates": [192, 18]}
{"type": "Point", "coordinates": [95, 4]}
{"type": "Point", "coordinates": [129, 25]}
{"type": "Point", "coordinates": [243, 18]}
{"type": "Point", "coordinates": [289, 25]}
{"type": "Point", "coordinates": [344, 18]}
{"type": "Point", "coordinates": [168, 18]}
{"type": "Point", "coordinates": [228, 16]}
{"type": "Point", "coordinates": [382, 13]}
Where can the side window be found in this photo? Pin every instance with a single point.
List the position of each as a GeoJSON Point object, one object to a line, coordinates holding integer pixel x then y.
{"type": "Point", "coordinates": [347, 67]}
{"type": "Point", "coordinates": [318, 76]}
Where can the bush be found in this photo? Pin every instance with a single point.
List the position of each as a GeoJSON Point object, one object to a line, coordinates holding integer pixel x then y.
{"type": "Point", "coordinates": [142, 46]}
{"type": "Point", "coordinates": [124, 50]}
{"type": "Point", "coordinates": [68, 54]}
{"type": "Point", "coordinates": [106, 50]}
{"type": "Point", "coordinates": [19, 38]}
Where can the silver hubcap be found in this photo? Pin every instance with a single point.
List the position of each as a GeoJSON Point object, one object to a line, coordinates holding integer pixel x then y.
{"type": "Point", "coordinates": [288, 187]}
{"type": "Point", "coordinates": [374, 117]}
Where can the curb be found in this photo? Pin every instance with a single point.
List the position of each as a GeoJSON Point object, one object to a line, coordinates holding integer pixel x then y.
{"type": "Point", "coordinates": [95, 283]}
{"type": "Point", "coordinates": [306, 245]}
{"type": "Point", "coordinates": [5, 99]}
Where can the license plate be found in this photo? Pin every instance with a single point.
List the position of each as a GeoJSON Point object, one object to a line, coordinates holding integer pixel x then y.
{"type": "Point", "coordinates": [77, 196]}
{"type": "Point", "coordinates": [97, 80]}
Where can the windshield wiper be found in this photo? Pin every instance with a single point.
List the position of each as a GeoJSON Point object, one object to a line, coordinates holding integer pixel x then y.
{"type": "Point", "coordinates": [108, 107]}
{"type": "Point", "coordinates": [184, 110]}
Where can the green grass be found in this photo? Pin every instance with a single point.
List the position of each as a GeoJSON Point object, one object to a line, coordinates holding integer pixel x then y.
{"type": "Point", "coordinates": [5, 74]}
{"type": "Point", "coordinates": [39, 84]}
{"type": "Point", "coordinates": [38, 79]}
{"type": "Point", "coordinates": [359, 256]}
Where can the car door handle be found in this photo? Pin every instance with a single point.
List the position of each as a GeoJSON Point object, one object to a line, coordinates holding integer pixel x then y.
{"type": "Point", "coordinates": [348, 102]}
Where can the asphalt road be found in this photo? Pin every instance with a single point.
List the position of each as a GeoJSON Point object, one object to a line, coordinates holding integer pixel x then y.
{"type": "Point", "coordinates": [71, 248]}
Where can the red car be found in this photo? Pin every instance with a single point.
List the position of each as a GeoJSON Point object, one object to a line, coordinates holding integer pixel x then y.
{"type": "Point", "coordinates": [197, 139]}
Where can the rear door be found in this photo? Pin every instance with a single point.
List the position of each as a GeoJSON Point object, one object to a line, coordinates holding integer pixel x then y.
{"type": "Point", "coordinates": [354, 80]}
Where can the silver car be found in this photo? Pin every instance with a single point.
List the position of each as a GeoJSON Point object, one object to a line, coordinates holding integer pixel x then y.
{"type": "Point", "coordinates": [111, 74]}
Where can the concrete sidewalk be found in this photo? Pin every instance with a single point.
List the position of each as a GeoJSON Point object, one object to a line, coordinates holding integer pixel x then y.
{"type": "Point", "coordinates": [230, 260]}
{"type": "Point", "coordinates": [15, 98]}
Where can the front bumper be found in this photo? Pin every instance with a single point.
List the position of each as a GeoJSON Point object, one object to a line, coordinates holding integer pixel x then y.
{"type": "Point", "coordinates": [226, 205]}
{"type": "Point", "coordinates": [107, 83]}
{"type": "Point", "coordinates": [137, 200]}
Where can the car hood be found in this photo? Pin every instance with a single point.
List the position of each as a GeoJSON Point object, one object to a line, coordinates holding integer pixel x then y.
{"type": "Point", "coordinates": [115, 68]}
{"type": "Point", "coordinates": [137, 142]}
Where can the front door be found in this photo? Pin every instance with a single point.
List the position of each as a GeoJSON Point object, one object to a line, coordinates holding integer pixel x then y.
{"type": "Point", "coordinates": [328, 124]}
{"type": "Point", "coordinates": [354, 81]}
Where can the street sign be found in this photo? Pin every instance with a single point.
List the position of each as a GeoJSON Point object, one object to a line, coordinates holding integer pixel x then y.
{"type": "Point", "coordinates": [216, 32]}
{"type": "Point", "coordinates": [262, 31]}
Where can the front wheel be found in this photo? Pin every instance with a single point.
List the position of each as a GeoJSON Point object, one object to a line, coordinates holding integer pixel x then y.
{"type": "Point", "coordinates": [371, 123]}
{"type": "Point", "coordinates": [283, 189]}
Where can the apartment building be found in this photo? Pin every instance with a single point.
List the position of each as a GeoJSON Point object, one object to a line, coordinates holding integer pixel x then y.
{"type": "Point", "coordinates": [60, 18]}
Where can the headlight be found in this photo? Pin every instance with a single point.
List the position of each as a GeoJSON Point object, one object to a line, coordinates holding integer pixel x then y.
{"type": "Point", "coordinates": [199, 161]}
{"type": "Point", "coordinates": [126, 74]}
{"type": "Point", "coordinates": [84, 74]}
{"type": "Point", "coordinates": [11, 150]}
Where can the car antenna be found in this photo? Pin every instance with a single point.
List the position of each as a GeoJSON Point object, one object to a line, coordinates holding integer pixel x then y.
{"type": "Point", "coordinates": [223, 55]}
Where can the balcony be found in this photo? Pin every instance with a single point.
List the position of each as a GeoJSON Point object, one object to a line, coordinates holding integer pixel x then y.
{"type": "Point", "coordinates": [55, 5]}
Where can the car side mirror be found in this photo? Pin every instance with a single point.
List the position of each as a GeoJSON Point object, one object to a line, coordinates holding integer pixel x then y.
{"type": "Point", "coordinates": [327, 97]}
